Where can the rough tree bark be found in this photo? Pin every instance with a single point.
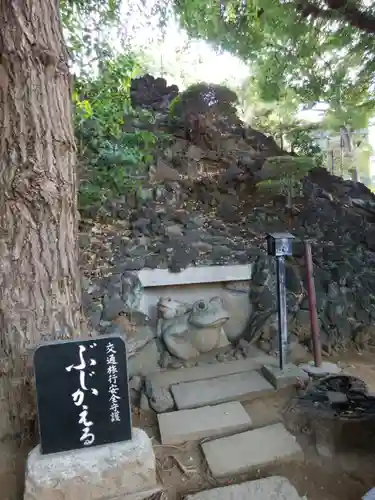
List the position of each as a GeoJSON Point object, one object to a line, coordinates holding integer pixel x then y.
{"type": "Point", "coordinates": [39, 278]}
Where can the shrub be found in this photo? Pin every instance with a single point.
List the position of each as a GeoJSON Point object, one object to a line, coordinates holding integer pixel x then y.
{"type": "Point", "coordinates": [114, 152]}
{"type": "Point", "coordinates": [283, 174]}
{"type": "Point", "coordinates": [205, 98]}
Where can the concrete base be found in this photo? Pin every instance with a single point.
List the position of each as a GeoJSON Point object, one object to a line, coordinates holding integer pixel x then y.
{"type": "Point", "coordinates": [283, 378]}
{"type": "Point", "coordinates": [126, 470]}
{"type": "Point", "coordinates": [250, 450]}
{"type": "Point", "coordinates": [270, 488]}
{"type": "Point", "coordinates": [325, 369]}
{"type": "Point", "coordinates": [209, 421]}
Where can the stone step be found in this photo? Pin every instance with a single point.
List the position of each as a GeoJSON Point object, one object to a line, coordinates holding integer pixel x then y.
{"type": "Point", "coordinates": [243, 386]}
{"type": "Point", "coordinates": [250, 450]}
{"type": "Point", "coordinates": [270, 488]}
{"type": "Point", "coordinates": [206, 422]}
{"type": "Point", "coordinates": [142, 495]}
{"type": "Point", "coordinates": [254, 362]}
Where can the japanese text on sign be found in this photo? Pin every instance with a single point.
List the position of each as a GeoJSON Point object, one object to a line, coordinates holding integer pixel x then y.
{"type": "Point", "coordinates": [87, 437]}
{"type": "Point", "coordinates": [113, 390]}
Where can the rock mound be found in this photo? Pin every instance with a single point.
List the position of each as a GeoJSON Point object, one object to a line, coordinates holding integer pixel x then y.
{"type": "Point", "coordinates": [201, 206]}
{"type": "Point", "coordinates": [152, 93]}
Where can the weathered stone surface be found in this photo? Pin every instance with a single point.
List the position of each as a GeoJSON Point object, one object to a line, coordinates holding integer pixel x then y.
{"type": "Point", "coordinates": [326, 368]}
{"type": "Point", "coordinates": [145, 361]}
{"type": "Point", "coordinates": [283, 378]}
{"type": "Point", "coordinates": [239, 386]}
{"type": "Point", "coordinates": [253, 449]}
{"type": "Point", "coordinates": [208, 421]}
{"type": "Point", "coordinates": [100, 473]}
{"type": "Point", "coordinates": [190, 330]}
{"type": "Point", "coordinates": [255, 361]}
{"type": "Point", "coordinates": [160, 398]}
{"type": "Point", "coordinates": [269, 488]}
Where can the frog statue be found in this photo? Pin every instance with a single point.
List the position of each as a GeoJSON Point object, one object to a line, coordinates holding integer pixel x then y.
{"type": "Point", "coordinates": [190, 330]}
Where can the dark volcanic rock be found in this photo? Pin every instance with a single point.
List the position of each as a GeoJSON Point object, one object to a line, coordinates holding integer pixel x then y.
{"type": "Point", "coordinates": [202, 208]}
{"type": "Point", "coordinates": [152, 93]}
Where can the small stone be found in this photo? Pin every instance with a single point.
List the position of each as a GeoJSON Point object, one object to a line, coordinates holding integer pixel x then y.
{"type": "Point", "coordinates": [160, 398]}
{"type": "Point", "coordinates": [145, 361]}
{"type": "Point", "coordinates": [136, 383]}
{"type": "Point", "coordinates": [202, 246]}
{"type": "Point", "coordinates": [140, 225]}
{"type": "Point", "coordinates": [194, 153]}
{"type": "Point", "coordinates": [174, 230]}
{"type": "Point", "coordinates": [163, 172]}
{"type": "Point", "coordinates": [134, 264]}
{"type": "Point", "coordinates": [144, 403]}
{"type": "Point", "coordinates": [113, 307]}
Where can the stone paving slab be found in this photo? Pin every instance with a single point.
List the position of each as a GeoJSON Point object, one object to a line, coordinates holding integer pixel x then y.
{"type": "Point", "coordinates": [208, 421]}
{"type": "Point", "coordinates": [283, 378]}
{"type": "Point", "coordinates": [249, 450]}
{"type": "Point", "coordinates": [237, 387]}
{"type": "Point", "coordinates": [255, 362]}
{"type": "Point", "coordinates": [270, 488]}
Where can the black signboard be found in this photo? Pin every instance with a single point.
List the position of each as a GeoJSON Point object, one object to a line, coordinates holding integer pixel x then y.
{"type": "Point", "coordinates": [82, 394]}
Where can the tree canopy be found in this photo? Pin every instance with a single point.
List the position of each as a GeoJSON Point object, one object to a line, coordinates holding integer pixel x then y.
{"type": "Point", "coordinates": [322, 49]}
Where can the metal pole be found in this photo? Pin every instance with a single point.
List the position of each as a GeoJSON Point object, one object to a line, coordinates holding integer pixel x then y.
{"type": "Point", "coordinates": [315, 333]}
{"type": "Point", "coordinates": [282, 310]}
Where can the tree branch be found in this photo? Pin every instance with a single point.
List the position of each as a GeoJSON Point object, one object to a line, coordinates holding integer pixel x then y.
{"type": "Point", "coordinates": [337, 10]}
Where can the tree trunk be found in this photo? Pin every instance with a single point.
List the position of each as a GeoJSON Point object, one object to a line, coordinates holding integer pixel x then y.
{"type": "Point", "coordinates": [39, 277]}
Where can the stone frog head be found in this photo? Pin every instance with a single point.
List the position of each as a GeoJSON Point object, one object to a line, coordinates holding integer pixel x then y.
{"type": "Point", "coordinates": [169, 308]}
{"type": "Point", "coordinates": [208, 313]}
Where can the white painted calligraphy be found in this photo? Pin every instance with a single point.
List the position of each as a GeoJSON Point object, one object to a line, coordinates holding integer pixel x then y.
{"type": "Point", "coordinates": [78, 396]}
{"type": "Point", "coordinates": [113, 389]}
{"type": "Point", "coordinates": [87, 437]}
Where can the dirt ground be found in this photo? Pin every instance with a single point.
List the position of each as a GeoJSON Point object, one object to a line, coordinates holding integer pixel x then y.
{"type": "Point", "coordinates": [182, 469]}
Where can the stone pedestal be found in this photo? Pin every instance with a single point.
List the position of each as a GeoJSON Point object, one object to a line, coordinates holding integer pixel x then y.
{"type": "Point", "coordinates": [287, 377]}
{"type": "Point", "coordinates": [123, 470]}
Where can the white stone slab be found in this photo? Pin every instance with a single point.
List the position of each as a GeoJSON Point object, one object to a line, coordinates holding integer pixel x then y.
{"type": "Point", "coordinates": [269, 488]}
{"type": "Point", "coordinates": [208, 371]}
{"type": "Point", "coordinates": [237, 387]}
{"type": "Point", "coordinates": [125, 470]}
{"type": "Point", "coordinates": [249, 450]}
{"type": "Point", "coordinates": [209, 421]}
{"type": "Point", "coordinates": [192, 275]}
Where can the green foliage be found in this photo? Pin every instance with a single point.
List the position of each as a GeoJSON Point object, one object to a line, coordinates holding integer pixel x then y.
{"type": "Point", "coordinates": [205, 98]}
{"type": "Point", "coordinates": [113, 150]}
{"type": "Point", "coordinates": [90, 29]}
{"type": "Point", "coordinates": [279, 119]}
{"type": "Point", "coordinates": [302, 142]}
{"type": "Point", "coordinates": [284, 175]}
{"type": "Point", "coordinates": [318, 53]}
